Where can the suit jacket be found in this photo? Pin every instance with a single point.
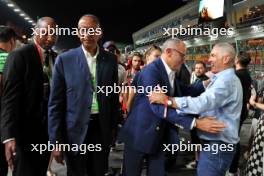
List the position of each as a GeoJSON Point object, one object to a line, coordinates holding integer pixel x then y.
{"type": "Point", "coordinates": [70, 100]}
{"type": "Point", "coordinates": [145, 129]}
{"type": "Point", "coordinates": [22, 99]}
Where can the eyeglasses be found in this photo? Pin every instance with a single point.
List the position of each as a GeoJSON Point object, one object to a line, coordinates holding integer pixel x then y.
{"type": "Point", "coordinates": [181, 54]}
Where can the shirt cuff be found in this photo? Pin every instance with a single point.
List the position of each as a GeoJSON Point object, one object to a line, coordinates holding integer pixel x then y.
{"type": "Point", "coordinates": [7, 140]}
{"type": "Point", "coordinates": [204, 85]}
{"type": "Point", "coordinates": [193, 125]}
{"type": "Point", "coordinates": [181, 102]}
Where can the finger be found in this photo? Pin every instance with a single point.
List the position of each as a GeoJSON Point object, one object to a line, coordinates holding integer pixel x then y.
{"type": "Point", "coordinates": [216, 129]}
{"type": "Point", "coordinates": [10, 164]}
{"type": "Point", "coordinates": [219, 124]}
{"type": "Point", "coordinates": [150, 94]}
{"type": "Point", "coordinates": [211, 117]}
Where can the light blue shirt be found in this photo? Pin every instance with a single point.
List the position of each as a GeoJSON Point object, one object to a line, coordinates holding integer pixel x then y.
{"type": "Point", "coordinates": [222, 99]}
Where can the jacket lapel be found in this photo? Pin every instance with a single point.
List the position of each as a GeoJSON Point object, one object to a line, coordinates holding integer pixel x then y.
{"type": "Point", "coordinates": [82, 62]}
{"type": "Point", "coordinates": [100, 66]}
{"type": "Point", "coordinates": [164, 75]}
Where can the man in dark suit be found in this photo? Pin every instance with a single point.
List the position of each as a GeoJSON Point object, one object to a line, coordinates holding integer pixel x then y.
{"type": "Point", "coordinates": [79, 114]}
{"type": "Point", "coordinates": [7, 44]}
{"type": "Point", "coordinates": [22, 117]}
{"type": "Point", "coordinates": [147, 129]}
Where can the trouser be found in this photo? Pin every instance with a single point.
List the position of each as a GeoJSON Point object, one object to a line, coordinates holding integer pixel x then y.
{"type": "Point", "coordinates": [30, 163]}
{"type": "Point", "coordinates": [3, 163]}
{"type": "Point", "coordinates": [215, 160]}
{"type": "Point", "coordinates": [133, 162]}
{"type": "Point", "coordinates": [89, 163]}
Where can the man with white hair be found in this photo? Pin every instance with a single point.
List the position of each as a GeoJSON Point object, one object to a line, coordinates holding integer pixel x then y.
{"type": "Point", "coordinates": [222, 99]}
{"type": "Point", "coordinates": [146, 130]}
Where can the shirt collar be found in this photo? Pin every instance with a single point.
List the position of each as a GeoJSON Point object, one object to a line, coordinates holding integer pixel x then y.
{"type": "Point", "coordinates": [225, 72]}
{"type": "Point", "coordinates": [168, 69]}
{"type": "Point", "coordinates": [88, 55]}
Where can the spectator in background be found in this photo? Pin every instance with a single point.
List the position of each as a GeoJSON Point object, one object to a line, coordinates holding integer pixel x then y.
{"type": "Point", "coordinates": [255, 163]}
{"type": "Point", "coordinates": [199, 72]}
{"type": "Point", "coordinates": [184, 74]}
{"type": "Point", "coordinates": [136, 60]}
{"type": "Point", "coordinates": [111, 47]}
{"type": "Point", "coordinates": [7, 44]}
{"type": "Point", "coordinates": [241, 63]}
{"type": "Point", "coordinates": [151, 54]}
{"type": "Point", "coordinates": [199, 76]}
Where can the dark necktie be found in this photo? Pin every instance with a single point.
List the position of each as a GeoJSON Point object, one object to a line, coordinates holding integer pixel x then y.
{"type": "Point", "coordinates": [46, 61]}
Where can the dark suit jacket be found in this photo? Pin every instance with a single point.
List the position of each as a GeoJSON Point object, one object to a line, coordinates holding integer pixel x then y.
{"type": "Point", "coordinates": [71, 97]}
{"type": "Point", "coordinates": [22, 99]}
{"type": "Point", "coordinates": [145, 129]}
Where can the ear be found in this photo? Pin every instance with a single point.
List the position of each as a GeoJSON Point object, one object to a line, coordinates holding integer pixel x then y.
{"type": "Point", "coordinates": [226, 60]}
{"type": "Point", "coordinates": [168, 51]}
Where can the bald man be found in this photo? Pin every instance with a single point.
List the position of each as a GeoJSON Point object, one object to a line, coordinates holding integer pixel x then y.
{"type": "Point", "coordinates": [24, 103]}
{"type": "Point", "coordinates": [79, 113]}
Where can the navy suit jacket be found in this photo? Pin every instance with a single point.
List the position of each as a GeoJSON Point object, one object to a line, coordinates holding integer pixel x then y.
{"type": "Point", "coordinates": [145, 129]}
{"type": "Point", "coordinates": [71, 97]}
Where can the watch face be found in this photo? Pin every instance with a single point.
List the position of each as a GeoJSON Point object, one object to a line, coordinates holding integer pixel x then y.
{"type": "Point", "coordinates": [169, 102]}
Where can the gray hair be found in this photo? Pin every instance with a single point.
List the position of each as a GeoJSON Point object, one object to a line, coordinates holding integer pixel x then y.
{"type": "Point", "coordinates": [41, 20]}
{"type": "Point", "coordinates": [170, 43]}
{"type": "Point", "coordinates": [227, 49]}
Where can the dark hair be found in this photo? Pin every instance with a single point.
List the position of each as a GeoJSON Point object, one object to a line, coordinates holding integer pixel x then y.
{"type": "Point", "coordinates": [201, 62]}
{"type": "Point", "coordinates": [6, 34]}
{"type": "Point", "coordinates": [150, 49]}
{"type": "Point", "coordinates": [243, 58]}
{"type": "Point", "coordinates": [136, 54]}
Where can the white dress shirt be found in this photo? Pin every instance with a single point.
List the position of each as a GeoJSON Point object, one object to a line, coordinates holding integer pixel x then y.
{"type": "Point", "coordinates": [91, 61]}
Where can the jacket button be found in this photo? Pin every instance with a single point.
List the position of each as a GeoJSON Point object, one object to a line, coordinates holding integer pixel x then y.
{"type": "Point", "coordinates": [157, 128]}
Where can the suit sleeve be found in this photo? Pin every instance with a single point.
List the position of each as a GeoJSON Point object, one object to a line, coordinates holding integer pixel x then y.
{"type": "Point", "coordinates": [150, 79]}
{"type": "Point", "coordinates": [11, 95]}
{"type": "Point", "coordinates": [57, 103]}
{"type": "Point", "coordinates": [115, 98]}
{"type": "Point", "coordinates": [192, 90]}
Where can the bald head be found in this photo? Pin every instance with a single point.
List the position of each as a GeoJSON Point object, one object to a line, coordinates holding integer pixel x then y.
{"type": "Point", "coordinates": [172, 43]}
{"type": "Point", "coordinates": [90, 32]}
{"type": "Point", "coordinates": [45, 21]}
{"type": "Point", "coordinates": [89, 17]}
{"type": "Point", "coordinates": [173, 53]}
{"type": "Point", "coordinates": [45, 34]}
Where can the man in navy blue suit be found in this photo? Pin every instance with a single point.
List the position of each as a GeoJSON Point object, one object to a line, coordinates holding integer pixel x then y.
{"type": "Point", "coordinates": [146, 129]}
{"type": "Point", "coordinates": [79, 114]}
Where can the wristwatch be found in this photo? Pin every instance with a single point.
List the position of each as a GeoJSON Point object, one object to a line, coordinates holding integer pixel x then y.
{"type": "Point", "coordinates": [169, 102]}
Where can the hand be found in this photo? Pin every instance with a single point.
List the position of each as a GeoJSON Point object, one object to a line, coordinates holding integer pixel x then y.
{"type": "Point", "coordinates": [206, 82]}
{"type": "Point", "coordinates": [252, 100]}
{"type": "Point", "coordinates": [58, 156]}
{"type": "Point", "coordinates": [157, 96]}
{"type": "Point", "coordinates": [10, 153]}
{"type": "Point", "coordinates": [210, 124]}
